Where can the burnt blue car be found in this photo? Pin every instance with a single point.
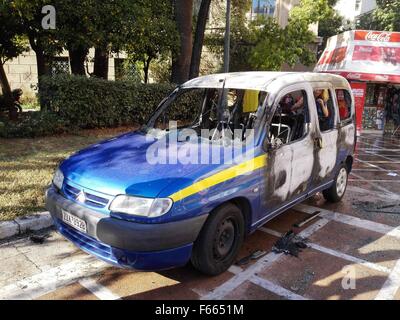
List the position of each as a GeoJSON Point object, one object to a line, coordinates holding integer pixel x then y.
{"type": "Point", "coordinates": [221, 156]}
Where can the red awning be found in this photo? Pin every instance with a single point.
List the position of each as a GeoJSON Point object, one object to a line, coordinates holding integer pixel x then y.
{"type": "Point", "coordinates": [363, 55]}
{"type": "Point", "coordinates": [373, 77]}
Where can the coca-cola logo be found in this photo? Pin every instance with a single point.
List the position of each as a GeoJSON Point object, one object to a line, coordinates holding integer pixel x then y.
{"type": "Point", "coordinates": [379, 37]}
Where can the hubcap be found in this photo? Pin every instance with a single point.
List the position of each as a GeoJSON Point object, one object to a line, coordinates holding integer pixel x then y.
{"type": "Point", "coordinates": [341, 182]}
{"type": "Point", "coordinates": [224, 239]}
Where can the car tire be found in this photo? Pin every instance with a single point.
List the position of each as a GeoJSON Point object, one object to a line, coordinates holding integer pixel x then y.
{"type": "Point", "coordinates": [219, 241]}
{"type": "Point", "coordinates": [336, 192]}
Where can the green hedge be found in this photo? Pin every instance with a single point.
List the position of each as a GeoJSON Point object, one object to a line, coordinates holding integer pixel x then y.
{"type": "Point", "coordinates": [96, 103]}
{"type": "Point", "coordinates": [80, 102]}
{"type": "Point", "coordinates": [35, 124]}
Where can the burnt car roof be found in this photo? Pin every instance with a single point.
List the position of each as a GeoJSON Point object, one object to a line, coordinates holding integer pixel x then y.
{"type": "Point", "coordinates": [261, 80]}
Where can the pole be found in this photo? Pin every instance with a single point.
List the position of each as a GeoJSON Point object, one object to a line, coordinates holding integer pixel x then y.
{"type": "Point", "coordinates": [227, 43]}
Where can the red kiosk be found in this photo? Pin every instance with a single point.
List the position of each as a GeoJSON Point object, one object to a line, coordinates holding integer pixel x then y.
{"type": "Point", "coordinates": [370, 60]}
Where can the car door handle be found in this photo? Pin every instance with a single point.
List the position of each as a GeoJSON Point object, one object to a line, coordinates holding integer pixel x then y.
{"type": "Point", "coordinates": [318, 143]}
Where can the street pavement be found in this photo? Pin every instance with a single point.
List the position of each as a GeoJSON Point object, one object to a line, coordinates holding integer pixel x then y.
{"type": "Point", "coordinates": [353, 252]}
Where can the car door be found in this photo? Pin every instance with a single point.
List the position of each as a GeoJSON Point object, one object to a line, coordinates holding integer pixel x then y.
{"type": "Point", "coordinates": [326, 151]}
{"type": "Point", "coordinates": [290, 162]}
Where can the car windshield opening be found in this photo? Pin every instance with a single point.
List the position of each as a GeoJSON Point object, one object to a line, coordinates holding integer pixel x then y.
{"type": "Point", "coordinates": [223, 113]}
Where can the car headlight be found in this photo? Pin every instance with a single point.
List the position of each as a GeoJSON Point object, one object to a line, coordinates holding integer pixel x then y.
{"type": "Point", "coordinates": [145, 207]}
{"type": "Point", "coordinates": [58, 179]}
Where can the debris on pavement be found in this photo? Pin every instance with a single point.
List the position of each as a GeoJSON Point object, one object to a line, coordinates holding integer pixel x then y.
{"type": "Point", "coordinates": [254, 256]}
{"type": "Point", "coordinates": [392, 174]}
{"type": "Point", "coordinates": [307, 220]}
{"type": "Point", "coordinates": [301, 284]}
{"type": "Point", "coordinates": [290, 244]}
{"type": "Point", "coordinates": [39, 239]}
{"type": "Point", "coordinates": [367, 206]}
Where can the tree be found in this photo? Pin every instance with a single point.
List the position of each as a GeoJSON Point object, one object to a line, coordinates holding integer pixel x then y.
{"type": "Point", "coordinates": [199, 38]}
{"type": "Point", "coordinates": [148, 40]}
{"type": "Point", "coordinates": [386, 16]}
{"type": "Point", "coordinates": [76, 25]}
{"type": "Point", "coordinates": [313, 11]}
{"type": "Point", "coordinates": [43, 41]}
{"type": "Point", "coordinates": [12, 45]}
{"type": "Point", "coordinates": [275, 46]}
{"type": "Point", "coordinates": [183, 14]}
{"type": "Point", "coordinates": [263, 45]}
{"type": "Point", "coordinates": [114, 21]}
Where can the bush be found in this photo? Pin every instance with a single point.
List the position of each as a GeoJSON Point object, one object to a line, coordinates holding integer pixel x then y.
{"type": "Point", "coordinates": [73, 102]}
{"type": "Point", "coordinates": [35, 124]}
{"type": "Point", "coordinates": [97, 103]}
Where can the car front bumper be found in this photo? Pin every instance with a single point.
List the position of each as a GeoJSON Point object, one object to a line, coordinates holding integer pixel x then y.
{"type": "Point", "coordinates": [123, 243]}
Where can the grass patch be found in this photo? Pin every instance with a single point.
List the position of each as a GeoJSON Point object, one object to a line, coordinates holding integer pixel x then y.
{"type": "Point", "coordinates": [27, 167]}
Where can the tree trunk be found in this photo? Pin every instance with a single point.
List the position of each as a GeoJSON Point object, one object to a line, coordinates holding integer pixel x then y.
{"type": "Point", "coordinates": [5, 86]}
{"type": "Point", "coordinates": [146, 68]}
{"type": "Point", "coordinates": [77, 58]}
{"type": "Point", "coordinates": [199, 38]}
{"type": "Point", "coordinates": [43, 64]}
{"type": "Point", "coordinates": [183, 10]}
{"type": "Point", "coordinates": [42, 61]}
{"type": "Point", "coordinates": [101, 63]}
{"type": "Point", "coordinates": [43, 68]}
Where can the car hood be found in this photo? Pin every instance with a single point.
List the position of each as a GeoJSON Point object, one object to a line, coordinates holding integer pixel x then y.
{"type": "Point", "coordinates": [120, 166]}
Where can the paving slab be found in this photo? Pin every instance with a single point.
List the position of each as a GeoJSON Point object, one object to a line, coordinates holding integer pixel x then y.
{"type": "Point", "coordinates": [364, 244]}
{"type": "Point", "coordinates": [71, 292]}
{"type": "Point", "coordinates": [251, 291]}
{"type": "Point", "coordinates": [319, 276]}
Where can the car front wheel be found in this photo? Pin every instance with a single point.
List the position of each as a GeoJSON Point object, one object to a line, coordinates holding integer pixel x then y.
{"type": "Point", "coordinates": [219, 241]}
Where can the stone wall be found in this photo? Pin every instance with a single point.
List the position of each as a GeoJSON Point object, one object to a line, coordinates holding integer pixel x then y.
{"type": "Point", "coordinates": [22, 71]}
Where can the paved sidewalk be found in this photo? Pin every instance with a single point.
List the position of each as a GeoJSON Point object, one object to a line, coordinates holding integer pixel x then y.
{"type": "Point", "coordinates": [354, 252]}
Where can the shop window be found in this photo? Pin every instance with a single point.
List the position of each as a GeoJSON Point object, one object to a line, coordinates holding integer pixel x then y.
{"type": "Point", "coordinates": [325, 109]}
{"type": "Point", "coordinates": [288, 122]}
{"type": "Point", "coordinates": [344, 104]}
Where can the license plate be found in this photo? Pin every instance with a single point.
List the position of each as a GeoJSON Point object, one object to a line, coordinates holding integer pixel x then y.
{"type": "Point", "coordinates": [74, 221]}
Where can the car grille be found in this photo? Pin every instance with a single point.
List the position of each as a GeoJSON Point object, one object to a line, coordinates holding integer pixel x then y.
{"type": "Point", "coordinates": [91, 199]}
{"type": "Point", "coordinates": [86, 242]}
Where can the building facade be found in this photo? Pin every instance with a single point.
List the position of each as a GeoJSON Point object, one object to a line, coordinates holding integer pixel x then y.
{"type": "Point", "coordinates": [352, 9]}
{"type": "Point", "coordinates": [22, 71]}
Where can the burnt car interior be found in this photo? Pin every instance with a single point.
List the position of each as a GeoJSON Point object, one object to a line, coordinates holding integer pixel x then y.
{"type": "Point", "coordinates": [288, 122]}
{"type": "Point", "coordinates": [218, 110]}
{"type": "Point", "coordinates": [326, 123]}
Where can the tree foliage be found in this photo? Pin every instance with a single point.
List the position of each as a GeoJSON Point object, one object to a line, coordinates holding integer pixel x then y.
{"type": "Point", "coordinates": [148, 40]}
{"type": "Point", "coordinates": [12, 42]}
{"type": "Point", "coordinates": [264, 45]}
{"type": "Point", "coordinates": [312, 11]}
{"type": "Point", "coordinates": [387, 15]}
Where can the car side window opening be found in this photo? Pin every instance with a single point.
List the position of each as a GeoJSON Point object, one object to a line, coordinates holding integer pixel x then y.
{"type": "Point", "coordinates": [289, 121]}
{"type": "Point", "coordinates": [344, 104]}
{"type": "Point", "coordinates": [325, 109]}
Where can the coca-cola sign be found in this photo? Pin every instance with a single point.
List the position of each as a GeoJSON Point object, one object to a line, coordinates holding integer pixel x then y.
{"type": "Point", "coordinates": [379, 37]}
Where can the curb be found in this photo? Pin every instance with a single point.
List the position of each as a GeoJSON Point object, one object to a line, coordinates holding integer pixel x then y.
{"type": "Point", "coordinates": [23, 225]}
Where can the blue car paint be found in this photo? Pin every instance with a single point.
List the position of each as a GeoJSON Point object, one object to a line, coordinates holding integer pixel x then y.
{"type": "Point", "coordinates": [145, 261]}
{"type": "Point", "coordinates": [119, 166]}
